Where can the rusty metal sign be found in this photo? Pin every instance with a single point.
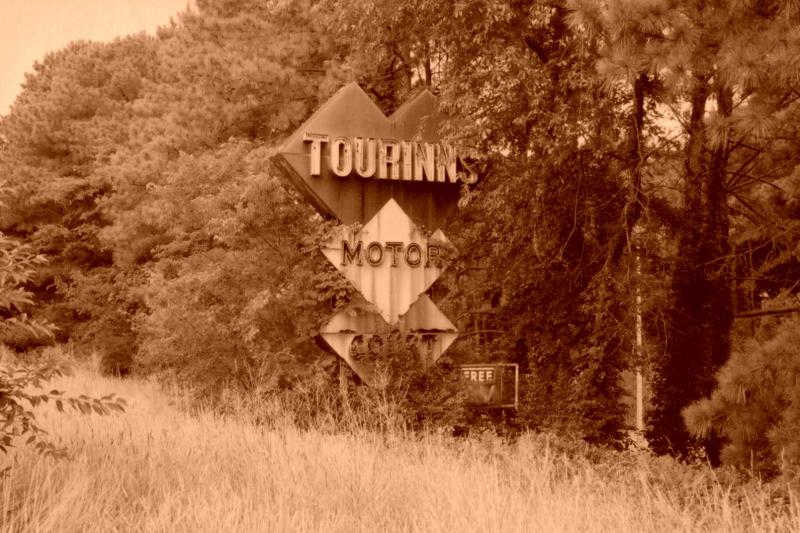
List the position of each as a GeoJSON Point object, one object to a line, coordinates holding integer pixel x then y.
{"type": "Point", "coordinates": [393, 175]}
{"type": "Point", "coordinates": [348, 159]}
{"type": "Point", "coordinates": [357, 333]}
{"type": "Point", "coordinates": [390, 260]}
{"type": "Point", "coordinates": [491, 385]}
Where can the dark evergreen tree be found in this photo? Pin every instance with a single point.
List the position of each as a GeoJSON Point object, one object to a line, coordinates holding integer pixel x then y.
{"type": "Point", "coordinates": [698, 57]}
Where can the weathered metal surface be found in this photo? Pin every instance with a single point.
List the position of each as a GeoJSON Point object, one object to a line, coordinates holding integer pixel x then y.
{"type": "Point", "coordinates": [348, 159]}
{"type": "Point", "coordinates": [433, 329]}
{"type": "Point", "coordinates": [343, 328]}
{"type": "Point", "coordinates": [353, 163]}
{"type": "Point", "coordinates": [491, 384]}
{"type": "Point", "coordinates": [390, 260]}
{"type": "Point", "coordinates": [353, 331]}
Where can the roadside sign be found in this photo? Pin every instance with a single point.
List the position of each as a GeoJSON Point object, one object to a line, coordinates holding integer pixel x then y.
{"type": "Point", "coordinates": [349, 158]}
{"type": "Point", "coordinates": [491, 384]}
{"type": "Point", "coordinates": [355, 331]}
{"type": "Point", "coordinates": [392, 174]}
{"type": "Point", "coordinates": [390, 260]}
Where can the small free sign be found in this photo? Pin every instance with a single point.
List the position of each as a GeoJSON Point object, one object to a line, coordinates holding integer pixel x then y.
{"type": "Point", "coordinates": [491, 385]}
{"type": "Point", "coordinates": [478, 375]}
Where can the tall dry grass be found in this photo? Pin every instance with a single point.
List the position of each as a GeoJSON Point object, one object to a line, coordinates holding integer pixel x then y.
{"type": "Point", "coordinates": [159, 468]}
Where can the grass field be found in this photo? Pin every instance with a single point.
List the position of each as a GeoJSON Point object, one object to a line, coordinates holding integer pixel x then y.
{"type": "Point", "coordinates": [158, 468]}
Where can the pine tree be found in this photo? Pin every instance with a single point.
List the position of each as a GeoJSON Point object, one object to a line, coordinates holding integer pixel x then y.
{"type": "Point", "coordinates": [700, 56]}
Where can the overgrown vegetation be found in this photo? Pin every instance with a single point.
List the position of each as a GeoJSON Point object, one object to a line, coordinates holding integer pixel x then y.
{"type": "Point", "coordinates": [628, 149]}
{"type": "Point", "coordinates": [158, 468]}
{"type": "Point", "coordinates": [757, 405]}
{"type": "Point", "coordinates": [21, 384]}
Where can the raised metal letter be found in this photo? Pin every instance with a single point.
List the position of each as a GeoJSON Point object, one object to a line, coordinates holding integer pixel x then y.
{"type": "Point", "coordinates": [316, 140]}
{"type": "Point", "coordinates": [341, 157]}
{"type": "Point", "coordinates": [388, 156]}
{"type": "Point", "coordinates": [374, 261]}
{"type": "Point", "coordinates": [433, 256]}
{"type": "Point", "coordinates": [407, 149]}
{"type": "Point", "coordinates": [446, 163]}
{"type": "Point", "coordinates": [348, 254]}
{"type": "Point", "coordinates": [424, 162]}
{"type": "Point", "coordinates": [365, 157]}
{"type": "Point", "coordinates": [417, 253]}
{"type": "Point", "coordinates": [468, 175]}
{"type": "Point", "coordinates": [394, 247]}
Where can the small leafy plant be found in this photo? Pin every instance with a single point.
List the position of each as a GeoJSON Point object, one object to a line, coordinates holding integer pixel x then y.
{"type": "Point", "coordinates": [18, 263]}
{"type": "Point", "coordinates": [18, 419]}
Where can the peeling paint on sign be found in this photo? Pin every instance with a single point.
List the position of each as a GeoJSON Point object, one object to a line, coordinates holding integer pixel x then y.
{"type": "Point", "coordinates": [349, 139]}
{"type": "Point", "coordinates": [390, 261]}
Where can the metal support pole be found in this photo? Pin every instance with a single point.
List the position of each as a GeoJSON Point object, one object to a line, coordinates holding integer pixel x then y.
{"type": "Point", "coordinates": [639, 352]}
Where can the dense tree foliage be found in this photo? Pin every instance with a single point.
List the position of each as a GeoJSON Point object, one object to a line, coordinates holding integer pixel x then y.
{"type": "Point", "coordinates": [694, 59]}
{"type": "Point", "coordinates": [629, 152]}
{"type": "Point", "coordinates": [124, 152]}
{"type": "Point", "coordinates": [19, 383]}
{"type": "Point", "coordinates": [757, 404]}
{"type": "Point", "coordinates": [543, 233]}
{"type": "Point", "coordinates": [17, 266]}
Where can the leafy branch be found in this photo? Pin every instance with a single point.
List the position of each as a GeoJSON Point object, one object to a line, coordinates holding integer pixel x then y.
{"type": "Point", "coordinates": [17, 418]}
{"type": "Point", "coordinates": [18, 263]}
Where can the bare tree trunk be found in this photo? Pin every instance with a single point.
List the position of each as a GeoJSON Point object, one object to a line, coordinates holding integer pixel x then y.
{"type": "Point", "coordinates": [701, 316]}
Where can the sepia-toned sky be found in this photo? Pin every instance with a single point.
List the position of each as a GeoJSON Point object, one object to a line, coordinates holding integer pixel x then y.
{"type": "Point", "coordinates": [31, 28]}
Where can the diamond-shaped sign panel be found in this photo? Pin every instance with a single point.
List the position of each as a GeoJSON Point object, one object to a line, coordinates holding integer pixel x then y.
{"type": "Point", "coordinates": [344, 328]}
{"type": "Point", "coordinates": [356, 330]}
{"type": "Point", "coordinates": [390, 261]}
{"type": "Point", "coordinates": [400, 155]}
{"type": "Point", "coordinates": [436, 332]}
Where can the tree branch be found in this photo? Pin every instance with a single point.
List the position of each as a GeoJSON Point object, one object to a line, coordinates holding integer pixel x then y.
{"type": "Point", "coordinates": [765, 312]}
